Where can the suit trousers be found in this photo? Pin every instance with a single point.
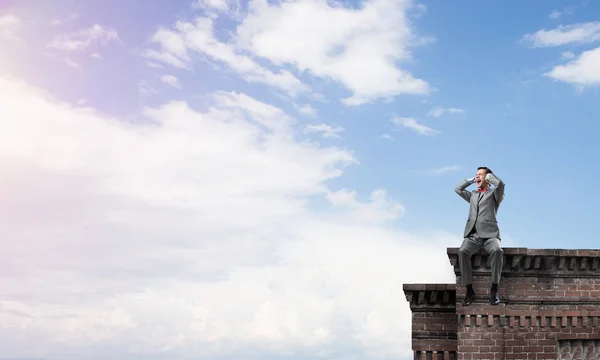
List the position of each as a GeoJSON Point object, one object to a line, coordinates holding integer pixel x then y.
{"type": "Point", "coordinates": [471, 244]}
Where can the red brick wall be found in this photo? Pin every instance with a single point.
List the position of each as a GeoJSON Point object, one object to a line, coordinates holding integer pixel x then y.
{"type": "Point", "coordinates": [550, 309]}
{"type": "Point", "coordinates": [434, 331]}
{"type": "Point", "coordinates": [434, 320]}
{"type": "Point", "coordinates": [435, 355]}
{"type": "Point", "coordinates": [534, 289]}
{"type": "Point", "coordinates": [524, 332]}
{"type": "Point", "coordinates": [549, 298]}
{"type": "Point", "coordinates": [579, 349]}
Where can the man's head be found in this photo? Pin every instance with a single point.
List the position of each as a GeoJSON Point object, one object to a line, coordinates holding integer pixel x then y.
{"type": "Point", "coordinates": [480, 181]}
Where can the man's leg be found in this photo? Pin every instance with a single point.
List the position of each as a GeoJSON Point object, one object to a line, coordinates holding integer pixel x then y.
{"type": "Point", "coordinates": [469, 246]}
{"type": "Point", "coordinates": [492, 246]}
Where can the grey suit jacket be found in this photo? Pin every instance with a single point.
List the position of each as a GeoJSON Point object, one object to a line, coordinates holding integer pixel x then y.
{"type": "Point", "coordinates": [484, 206]}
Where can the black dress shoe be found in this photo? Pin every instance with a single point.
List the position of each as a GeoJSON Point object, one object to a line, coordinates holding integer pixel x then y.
{"type": "Point", "coordinates": [494, 298]}
{"type": "Point", "coordinates": [468, 299]}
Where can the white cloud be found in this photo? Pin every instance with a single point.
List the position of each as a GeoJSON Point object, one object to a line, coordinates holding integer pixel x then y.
{"type": "Point", "coordinates": [96, 56]}
{"type": "Point", "coordinates": [555, 14]}
{"type": "Point", "coordinates": [192, 234]}
{"type": "Point", "coordinates": [219, 5]}
{"type": "Point", "coordinates": [444, 169]}
{"type": "Point", "coordinates": [386, 137]}
{"type": "Point", "coordinates": [565, 34]}
{"type": "Point", "coordinates": [176, 44]}
{"type": "Point", "coordinates": [308, 110]}
{"type": "Point", "coordinates": [439, 111]}
{"type": "Point", "coordinates": [171, 80]}
{"type": "Point", "coordinates": [166, 58]}
{"type": "Point", "coordinates": [85, 38]}
{"type": "Point", "coordinates": [582, 71]}
{"type": "Point", "coordinates": [65, 20]}
{"type": "Point", "coordinates": [70, 62]}
{"type": "Point", "coordinates": [145, 88]}
{"type": "Point", "coordinates": [567, 55]}
{"type": "Point", "coordinates": [64, 59]}
{"type": "Point", "coordinates": [357, 48]}
{"type": "Point", "coordinates": [436, 112]}
{"type": "Point", "coordinates": [8, 27]}
{"type": "Point", "coordinates": [327, 131]}
{"type": "Point", "coordinates": [360, 48]}
{"type": "Point", "coordinates": [154, 65]}
{"type": "Point", "coordinates": [379, 209]}
{"type": "Point", "coordinates": [414, 125]}
{"type": "Point", "coordinates": [214, 8]}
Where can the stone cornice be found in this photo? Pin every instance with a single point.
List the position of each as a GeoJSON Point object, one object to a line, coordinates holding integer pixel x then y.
{"type": "Point", "coordinates": [431, 297]}
{"type": "Point", "coordinates": [519, 262]}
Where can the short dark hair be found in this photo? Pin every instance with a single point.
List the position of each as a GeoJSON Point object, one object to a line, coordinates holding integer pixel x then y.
{"type": "Point", "coordinates": [487, 169]}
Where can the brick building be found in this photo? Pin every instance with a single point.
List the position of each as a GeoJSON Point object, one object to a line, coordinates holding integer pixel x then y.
{"type": "Point", "coordinates": [550, 309]}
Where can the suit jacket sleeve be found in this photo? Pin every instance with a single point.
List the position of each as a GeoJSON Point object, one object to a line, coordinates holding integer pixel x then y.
{"type": "Point", "coordinates": [498, 187]}
{"type": "Point", "coordinates": [461, 189]}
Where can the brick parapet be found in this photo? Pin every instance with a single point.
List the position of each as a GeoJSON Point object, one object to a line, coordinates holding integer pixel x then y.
{"type": "Point", "coordinates": [536, 276]}
{"type": "Point", "coordinates": [430, 297]}
{"type": "Point", "coordinates": [550, 309]}
{"type": "Point", "coordinates": [434, 320]}
{"type": "Point", "coordinates": [537, 290]}
{"type": "Point", "coordinates": [523, 262]}
{"type": "Point", "coordinates": [435, 355]}
{"type": "Point", "coordinates": [523, 341]}
{"type": "Point", "coordinates": [524, 316]}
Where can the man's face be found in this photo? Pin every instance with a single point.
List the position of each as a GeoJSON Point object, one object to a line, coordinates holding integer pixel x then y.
{"type": "Point", "coordinates": [480, 178]}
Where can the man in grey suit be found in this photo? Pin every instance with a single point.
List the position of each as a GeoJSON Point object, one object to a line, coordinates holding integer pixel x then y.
{"type": "Point", "coordinates": [481, 229]}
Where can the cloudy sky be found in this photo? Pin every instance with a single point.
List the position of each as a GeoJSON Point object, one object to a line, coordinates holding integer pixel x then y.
{"type": "Point", "coordinates": [228, 179]}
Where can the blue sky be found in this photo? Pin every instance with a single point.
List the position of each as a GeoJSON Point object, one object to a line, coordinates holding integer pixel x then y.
{"type": "Point", "coordinates": [223, 179]}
